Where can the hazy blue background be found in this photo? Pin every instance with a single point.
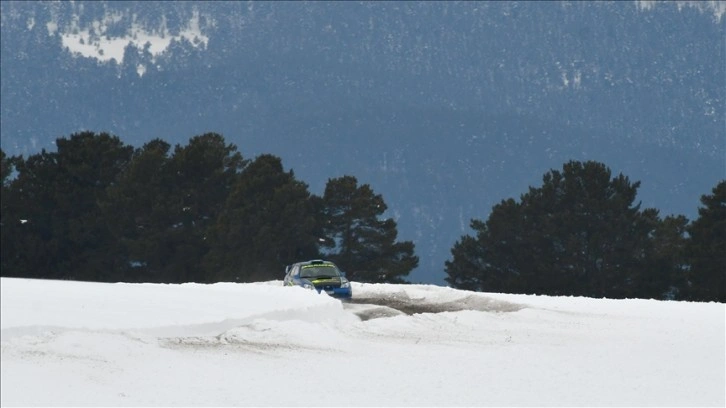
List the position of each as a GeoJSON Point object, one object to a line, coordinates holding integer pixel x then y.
{"type": "Point", "coordinates": [444, 108]}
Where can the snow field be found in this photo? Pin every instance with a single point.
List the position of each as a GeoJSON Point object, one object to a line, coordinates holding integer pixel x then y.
{"type": "Point", "coordinates": [261, 344]}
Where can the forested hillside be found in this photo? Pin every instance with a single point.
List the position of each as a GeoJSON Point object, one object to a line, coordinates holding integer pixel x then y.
{"type": "Point", "coordinates": [445, 107]}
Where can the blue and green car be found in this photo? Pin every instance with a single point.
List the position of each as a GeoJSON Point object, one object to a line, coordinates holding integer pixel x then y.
{"type": "Point", "coordinates": [319, 275]}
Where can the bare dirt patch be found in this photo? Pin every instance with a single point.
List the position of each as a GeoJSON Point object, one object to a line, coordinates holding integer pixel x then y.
{"type": "Point", "coordinates": [400, 303]}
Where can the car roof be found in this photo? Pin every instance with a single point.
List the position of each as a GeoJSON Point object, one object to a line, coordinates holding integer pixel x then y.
{"type": "Point", "coordinates": [314, 262]}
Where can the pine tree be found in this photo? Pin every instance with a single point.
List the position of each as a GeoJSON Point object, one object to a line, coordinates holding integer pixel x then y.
{"type": "Point", "coordinates": [6, 167]}
{"type": "Point", "coordinates": [203, 173]}
{"type": "Point", "coordinates": [12, 227]}
{"type": "Point", "coordinates": [361, 244]}
{"type": "Point", "coordinates": [664, 276]}
{"type": "Point", "coordinates": [88, 163]}
{"type": "Point", "coordinates": [30, 248]}
{"type": "Point", "coordinates": [138, 210]}
{"type": "Point", "coordinates": [706, 249]}
{"type": "Point", "coordinates": [491, 260]}
{"type": "Point", "coordinates": [268, 221]}
{"type": "Point", "coordinates": [577, 234]}
{"type": "Point", "coordinates": [63, 234]}
{"type": "Point", "coordinates": [162, 209]}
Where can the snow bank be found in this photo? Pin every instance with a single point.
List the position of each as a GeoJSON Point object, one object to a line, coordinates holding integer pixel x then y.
{"type": "Point", "coordinates": [81, 344]}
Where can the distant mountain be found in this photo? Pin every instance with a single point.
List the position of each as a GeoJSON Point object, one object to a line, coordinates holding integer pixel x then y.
{"type": "Point", "coordinates": [445, 108]}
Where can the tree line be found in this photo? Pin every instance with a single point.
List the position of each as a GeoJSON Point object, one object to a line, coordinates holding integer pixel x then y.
{"type": "Point", "coordinates": [100, 210]}
{"type": "Point", "coordinates": [582, 234]}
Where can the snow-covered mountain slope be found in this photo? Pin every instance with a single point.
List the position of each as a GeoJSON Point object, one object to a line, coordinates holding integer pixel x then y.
{"type": "Point", "coordinates": [262, 344]}
{"type": "Point", "coordinates": [444, 108]}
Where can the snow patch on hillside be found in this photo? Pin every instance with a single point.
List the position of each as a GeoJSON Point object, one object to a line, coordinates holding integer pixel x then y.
{"type": "Point", "coordinates": [716, 7]}
{"type": "Point", "coordinates": [94, 40]}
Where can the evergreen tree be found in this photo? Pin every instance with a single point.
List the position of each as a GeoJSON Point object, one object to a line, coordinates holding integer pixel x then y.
{"type": "Point", "coordinates": [167, 204]}
{"type": "Point", "coordinates": [361, 244]}
{"type": "Point", "coordinates": [577, 234]}
{"type": "Point", "coordinates": [268, 222]}
{"type": "Point", "coordinates": [202, 174]}
{"type": "Point", "coordinates": [706, 248]}
{"type": "Point", "coordinates": [56, 196]}
{"type": "Point", "coordinates": [138, 211]}
{"type": "Point", "coordinates": [29, 244]}
{"type": "Point", "coordinates": [88, 163]}
{"type": "Point", "coordinates": [6, 167]}
{"type": "Point", "coordinates": [11, 226]}
{"type": "Point", "coordinates": [664, 276]}
{"type": "Point", "coordinates": [490, 261]}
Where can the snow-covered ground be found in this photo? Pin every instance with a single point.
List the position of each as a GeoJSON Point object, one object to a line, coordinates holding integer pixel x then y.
{"type": "Point", "coordinates": [262, 344]}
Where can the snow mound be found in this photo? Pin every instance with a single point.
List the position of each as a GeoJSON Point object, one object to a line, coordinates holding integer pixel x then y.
{"type": "Point", "coordinates": [91, 344]}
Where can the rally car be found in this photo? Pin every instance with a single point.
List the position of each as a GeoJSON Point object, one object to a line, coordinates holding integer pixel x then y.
{"type": "Point", "coordinates": [319, 275]}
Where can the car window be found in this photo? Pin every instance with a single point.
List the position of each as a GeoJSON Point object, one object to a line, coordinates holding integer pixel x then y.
{"type": "Point", "coordinates": [319, 271]}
